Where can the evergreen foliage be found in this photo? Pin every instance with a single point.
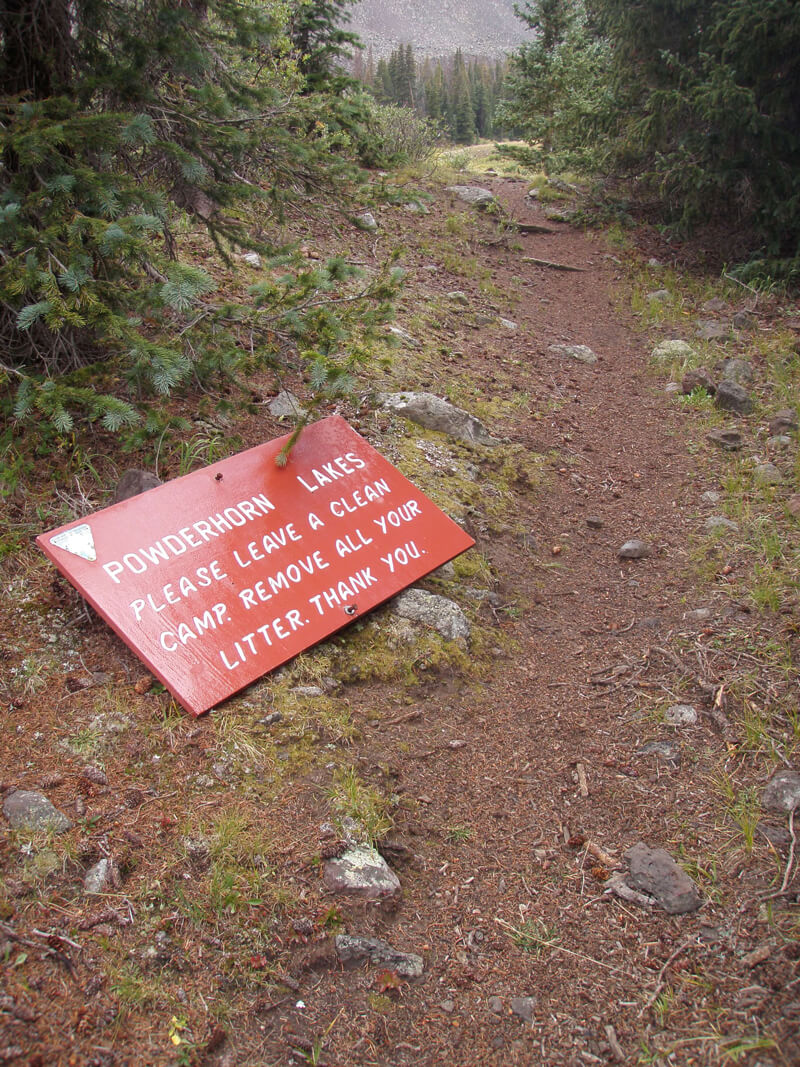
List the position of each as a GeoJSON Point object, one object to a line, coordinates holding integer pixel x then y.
{"type": "Point", "coordinates": [694, 103]}
{"type": "Point", "coordinates": [117, 121]}
{"type": "Point", "coordinates": [459, 95]}
{"type": "Point", "coordinates": [320, 39]}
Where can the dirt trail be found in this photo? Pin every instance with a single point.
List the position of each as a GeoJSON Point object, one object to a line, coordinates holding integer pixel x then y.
{"type": "Point", "coordinates": [519, 793]}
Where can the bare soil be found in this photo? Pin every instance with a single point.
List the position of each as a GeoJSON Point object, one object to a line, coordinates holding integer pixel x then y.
{"type": "Point", "coordinates": [515, 784]}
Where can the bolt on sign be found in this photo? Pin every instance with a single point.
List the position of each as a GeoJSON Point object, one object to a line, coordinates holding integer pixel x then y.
{"type": "Point", "coordinates": [218, 577]}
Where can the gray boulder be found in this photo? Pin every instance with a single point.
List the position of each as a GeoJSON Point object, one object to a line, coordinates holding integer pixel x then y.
{"type": "Point", "coordinates": [767, 474]}
{"type": "Point", "coordinates": [473, 194]}
{"type": "Point", "coordinates": [361, 871]}
{"type": "Point", "coordinates": [353, 949]}
{"type": "Point", "coordinates": [366, 221]}
{"type": "Point", "coordinates": [737, 370]}
{"type": "Point", "coordinates": [285, 406]}
{"type": "Point", "coordinates": [634, 549]}
{"type": "Point", "coordinates": [782, 792]}
{"type": "Point", "coordinates": [667, 351]}
{"type": "Point", "coordinates": [581, 353]}
{"type": "Point", "coordinates": [731, 396]}
{"type": "Point", "coordinates": [437, 612]}
{"type": "Point", "coordinates": [430, 411]}
{"type": "Point", "coordinates": [729, 440]}
{"type": "Point", "coordinates": [26, 810]}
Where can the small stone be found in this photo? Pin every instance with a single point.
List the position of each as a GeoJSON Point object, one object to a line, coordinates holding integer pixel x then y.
{"type": "Point", "coordinates": [659, 296]}
{"type": "Point", "coordinates": [718, 523]}
{"type": "Point", "coordinates": [507, 324]}
{"type": "Point", "coordinates": [699, 378]}
{"type": "Point", "coordinates": [26, 810]}
{"type": "Point", "coordinates": [594, 523]}
{"type": "Point", "coordinates": [523, 1007]}
{"type": "Point", "coordinates": [667, 351]}
{"type": "Point", "coordinates": [97, 878]}
{"type": "Point", "coordinates": [744, 320]}
{"type": "Point", "coordinates": [681, 715]}
{"type": "Point", "coordinates": [731, 396]}
{"type": "Point", "coordinates": [458, 297]}
{"type": "Point", "coordinates": [430, 411]}
{"type": "Point", "coordinates": [363, 872]}
{"type": "Point", "coordinates": [582, 353]}
{"type": "Point", "coordinates": [253, 259]}
{"type": "Point", "coordinates": [698, 615]}
{"type": "Point", "coordinates": [767, 474]}
{"type": "Point", "coordinates": [666, 750]}
{"type": "Point", "coordinates": [714, 305]}
{"type": "Point", "coordinates": [495, 1004]}
{"type": "Point", "coordinates": [448, 1006]}
{"type": "Point", "coordinates": [711, 496]}
{"type": "Point", "coordinates": [793, 506]}
{"type": "Point", "coordinates": [654, 871]}
{"type": "Point", "coordinates": [782, 792]}
{"type": "Point", "coordinates": [416, 207]}
{"type": "Point", "coordinates": [729, 440]}
{"type": "Point", "coordinates": [782, 422]}
{"type": "Point", "coordinates": [634, 550]}
{"type": "Point", "coordinates": [308, 691]}
{"type": "Point", "coordinates": [737, 370]}
{"type": "Point", "coordinates": [133, 482]}
{"type": "Point", "coordinates": [673, 388]}
{"type": "Point", "coordinates": [352, 949]}
{"type": "Point", "coordinates": [366, 221]}
{"type": "Point", "coordinates": [404, 336]}
{"type": "Point", "coordinates": [711, 330]}
{"type": "Point", "coordinates": [780, 442]}
{"type": "Point", "coordinates": [441, 614]}
{"type": "Point", "coordinates": [473, 194]}
{"type": "Point", "coordinates": [285, 406]}
{"type": "Point", "coordinates": [271, 719]}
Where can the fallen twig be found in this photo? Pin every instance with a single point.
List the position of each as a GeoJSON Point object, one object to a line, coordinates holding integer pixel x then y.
{"type": "Point", "coordinates": [660, 980]}
{"type": "Point", "coordinates": [600, 854]}
{"type": "Point", "coordinates": [789, 863]}
{"type": "Point", "coordinates": [408, 717]}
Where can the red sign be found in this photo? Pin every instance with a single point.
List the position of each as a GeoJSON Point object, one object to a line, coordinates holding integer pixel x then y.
{"type": "Point", "coordinates": [218, 577]}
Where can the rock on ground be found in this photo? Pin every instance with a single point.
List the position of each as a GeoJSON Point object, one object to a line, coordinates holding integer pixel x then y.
{"type": "Point", "coordinates": [430, 609]}
{"type": "Point", "coordinates": [26, 810]}
{"type": "Point", "coordinates": [433, 413]}
{"type": "Point", "coordinates": [133, 482]}
{"type": "Point", "coordinates": [582, 353]}
{"type": "Point", "coordinates": [285, 405]}
{"type": "Point", "coordinates": [782, 792]}
{"type": "Point", "coordinates": [361, 871]}
{"type": "Point", "coordinates": [731, 396]}
{"type": "Point", "coordinates": [654, 871]}
{"type": "Point", "coordinates": [729, 440]}
{"type": "Point", "coordinates": [667, 351]}
{"type": "Point", "coordinates": [97, 878]}
{"type": "Point", "coordinates": [634, 550]}
{"type": "Point", "coordinates": [681, 715]}
{"type": "Point", "coordinates": [473, 194]}
{"type": "Point", "coordinates": [353, 949]}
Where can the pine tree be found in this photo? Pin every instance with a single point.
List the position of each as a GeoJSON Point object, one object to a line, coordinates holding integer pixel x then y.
{"type": "Point", "coordinates": [320, 39]}
{"type": "Point", "coordinates": [111, 114]}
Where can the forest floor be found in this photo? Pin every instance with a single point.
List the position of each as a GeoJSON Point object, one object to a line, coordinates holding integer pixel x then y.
{"type": "Point", "coordinates": [504, 784]}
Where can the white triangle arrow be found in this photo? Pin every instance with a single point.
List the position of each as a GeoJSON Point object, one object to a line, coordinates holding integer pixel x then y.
{"type": "Point", "coordinates": [79, 541]}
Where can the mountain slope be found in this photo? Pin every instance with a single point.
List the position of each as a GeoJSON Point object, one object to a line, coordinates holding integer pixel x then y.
{"type": "Point", "coordinates": [477, 27]}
